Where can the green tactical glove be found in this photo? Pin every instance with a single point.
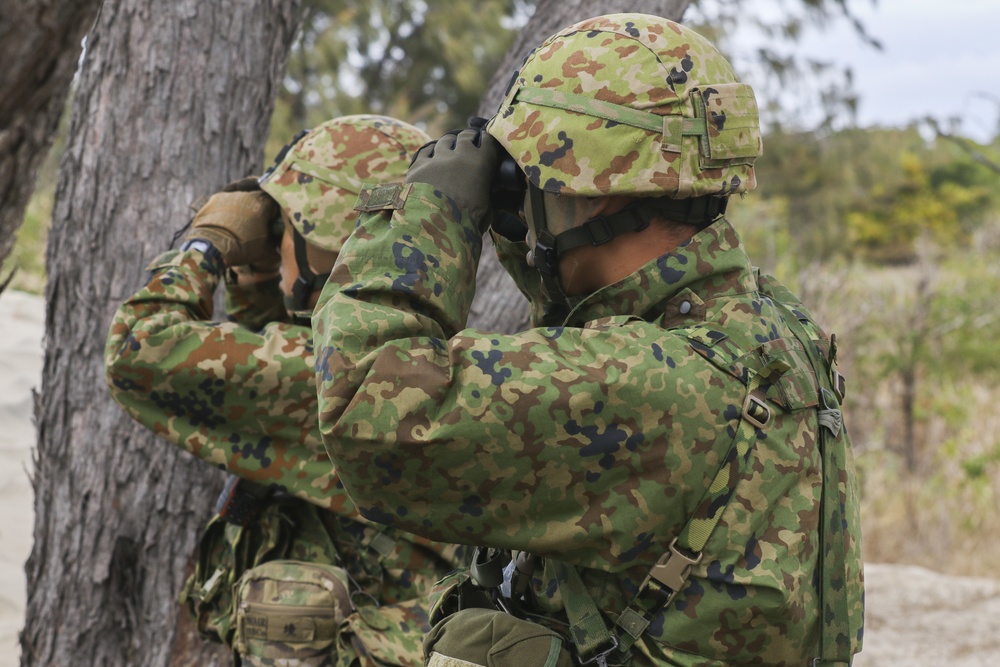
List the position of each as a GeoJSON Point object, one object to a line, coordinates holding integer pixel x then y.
{"type": "Point", "coordinates": [238, 223]}
{"type": "Point", "coordinates": [461, 165]}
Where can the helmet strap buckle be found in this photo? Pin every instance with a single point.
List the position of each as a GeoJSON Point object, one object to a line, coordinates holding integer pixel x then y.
{"type": "Point", "coordinates": [544, 255]}
{"type": "Point", "coordinates": [599, 230]}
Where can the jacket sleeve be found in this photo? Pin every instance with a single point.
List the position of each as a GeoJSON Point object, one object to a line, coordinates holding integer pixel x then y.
{"type": "Point", "coordinates": [527, 441]}
{"type": "Point", "coordinates": [199, 384]}
{"type": "Point", "coordinates": [255, 305]}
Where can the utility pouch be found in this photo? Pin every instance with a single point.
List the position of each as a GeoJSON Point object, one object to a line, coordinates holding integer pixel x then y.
{"type": "Point", "coordinates": [224, 552]}
{"type": "Point", "coordinates": [287, 528]}
{"type": "Point", "coordinates": [490, 638]}
{"type": "Point", "coordinates": [288, 612]}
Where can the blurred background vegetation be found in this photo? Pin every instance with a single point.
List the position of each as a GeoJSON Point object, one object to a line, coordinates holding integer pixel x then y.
{"type": "Point", "coordinates": [890, 235]}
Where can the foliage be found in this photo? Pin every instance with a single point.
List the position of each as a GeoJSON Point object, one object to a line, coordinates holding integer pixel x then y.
{"type": "Point", "coordinates": [426, 63]}
{"type": "Point", "coordinates": [886, 225]}
{"type": "Point", "coordinates": [831, 209]}
{"type": "Point", "coordinates": [28, 256]}
{"type": "Point", "coordinates": [874, 194]}
{"type": "Point", "coordinates": [429, 63]}
{"type": "Point", "coordinates": [918, 347]}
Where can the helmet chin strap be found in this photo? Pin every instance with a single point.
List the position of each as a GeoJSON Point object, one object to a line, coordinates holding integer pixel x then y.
{"type": "Point", "coordinates": [545, 256]}
{"type": "Point", "coordinates": [636, 216]}
{"type": "Point", "coordinates": [307, 282]}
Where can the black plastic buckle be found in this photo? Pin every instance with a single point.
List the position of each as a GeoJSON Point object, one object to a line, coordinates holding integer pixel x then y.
{"type": "Point", "coordinates": [599, 224]}
{"type": "Point", "coordinates": [545, 258]}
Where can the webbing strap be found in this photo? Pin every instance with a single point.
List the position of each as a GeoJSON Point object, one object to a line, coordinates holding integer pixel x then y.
{"type": "Point", "coordinates": [307, 282]}
{"type": "Point", "coordinates": [756, 414]}
{"type": "Point", "coordinates": [616, 113]}
{"type": "Point", "coordinates": [591, 637]}
{"type": "Point", "coordinates": [667, 578]}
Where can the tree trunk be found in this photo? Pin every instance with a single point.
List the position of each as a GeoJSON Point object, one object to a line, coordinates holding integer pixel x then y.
{"type": "Point", "coordinates": [40, 47]}
{"type": "Point", "coordinates": [498, 305]}
{"type": "Point", "coordinates": [174, 100]}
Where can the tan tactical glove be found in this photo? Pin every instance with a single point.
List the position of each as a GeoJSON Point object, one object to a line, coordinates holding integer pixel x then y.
{"type": "Point", "coordinates": [238, 224]}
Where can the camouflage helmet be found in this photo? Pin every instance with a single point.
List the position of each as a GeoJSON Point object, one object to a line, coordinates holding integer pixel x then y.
{"type": "Point", "coordinates": [630, 104]}
{"type": "Point", "coordinates": [317, 180]}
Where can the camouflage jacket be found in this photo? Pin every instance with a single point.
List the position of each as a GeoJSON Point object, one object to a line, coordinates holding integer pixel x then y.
{"type": "Point", "coordinates": [241, 395]}
{"type": "Point", "coordinates": [591, 442]}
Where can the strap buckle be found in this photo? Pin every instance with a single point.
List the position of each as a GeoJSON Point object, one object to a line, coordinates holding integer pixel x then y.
{"type": "Point", "coordinates": [839, 386]}
{"type": "Point", "coordinates": [599, 230]}
{"type": "Point", "coordinates": [545, 258]}
{"type": "Point", "coordinates": [600, 657]}
{"type": "Point", "coordinates": [755, 411]}
{"type": "Point", "coordinates": [672, 569]}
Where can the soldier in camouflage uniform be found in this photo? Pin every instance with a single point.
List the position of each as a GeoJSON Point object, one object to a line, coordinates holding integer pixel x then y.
{"type": "Point", "coordinates": [663, 452]}
{"type": "Point", "coordinates": [241, 395]}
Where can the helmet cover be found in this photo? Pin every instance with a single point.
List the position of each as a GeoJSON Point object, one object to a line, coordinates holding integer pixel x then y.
{"type": "Point", "coordinates": [318, 180]}
{"type": "Point", "coordinates": [630, 104]}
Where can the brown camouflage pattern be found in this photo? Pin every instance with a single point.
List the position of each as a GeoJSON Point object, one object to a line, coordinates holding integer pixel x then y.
{"type": "Point", "coordinates": [318, 181]}
{"type": "Point", "coordinates": [630, 104]}
{"type": "Point", "coordinates": [591, 440]}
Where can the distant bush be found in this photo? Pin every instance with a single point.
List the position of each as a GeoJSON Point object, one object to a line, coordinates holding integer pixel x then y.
{"type": "Point", "coordinates": [28, 255]}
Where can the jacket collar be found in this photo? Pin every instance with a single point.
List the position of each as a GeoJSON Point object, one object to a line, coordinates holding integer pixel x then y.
{"type": "Point", "coordinates": [711, 264]}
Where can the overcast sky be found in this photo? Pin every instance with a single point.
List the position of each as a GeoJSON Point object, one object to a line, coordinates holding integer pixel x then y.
{"type": "Point", "coordinates": [939, 57]}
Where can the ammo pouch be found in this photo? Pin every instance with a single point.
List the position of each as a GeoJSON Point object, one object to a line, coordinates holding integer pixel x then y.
{"type": "Point", "coordinates": [286, 528]}
{"type": "Point", "coordinates": [288, 612]}
{"type": "Point", "coordinates": [469, 632]}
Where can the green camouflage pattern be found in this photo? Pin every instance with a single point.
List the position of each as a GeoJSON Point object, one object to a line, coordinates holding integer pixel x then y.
{"type": "Point", "coordinates": [630, 104]}
{"type": "Point", "coordinates": [241, 395]}
{"type": "Point", "coordinates": [318, 181]}
{"type": "Point", "coordinates": [386, 635]}
{"type": "Point", "coordinates": [592, 440]}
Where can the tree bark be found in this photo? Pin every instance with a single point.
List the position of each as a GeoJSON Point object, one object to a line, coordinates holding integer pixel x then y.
{"type": "Point", "coordinates": [40, 46]}
{"type": "Point", "coordinates": [174, 100]}
{"type": "Point", "coordinates": [498, 305]}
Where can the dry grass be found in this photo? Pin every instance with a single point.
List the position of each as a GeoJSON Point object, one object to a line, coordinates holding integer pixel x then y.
{"type": "Point", "coordinates": [939, 516]}
{"type": "Point", "coordinates": [938, 504]}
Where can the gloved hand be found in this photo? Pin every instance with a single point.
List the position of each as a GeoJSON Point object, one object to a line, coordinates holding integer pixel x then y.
{"type": "Point", "coordinates": [237, 221]}
{"type": "Point", "coordinates": [462, 165]}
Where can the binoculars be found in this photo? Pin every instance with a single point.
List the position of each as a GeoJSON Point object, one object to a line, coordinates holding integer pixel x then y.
{"type": "Point", "coordinates": [275, 231]}
{"type": "Point", "coordinates": [509, 187]}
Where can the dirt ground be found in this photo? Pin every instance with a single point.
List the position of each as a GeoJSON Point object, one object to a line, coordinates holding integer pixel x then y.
{"type": "Point", "coordinates": [919, 618]}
